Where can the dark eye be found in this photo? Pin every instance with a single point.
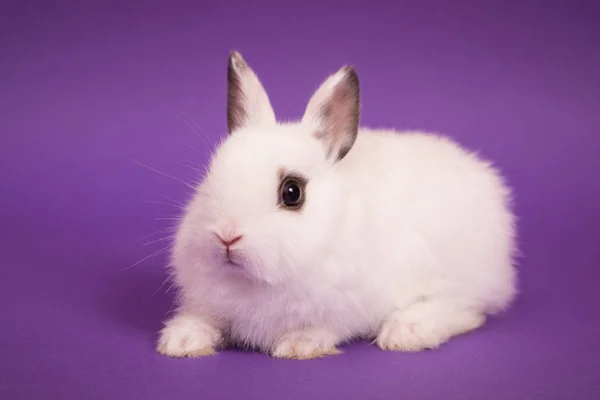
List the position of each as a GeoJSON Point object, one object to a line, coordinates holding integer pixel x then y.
{"type": "Point", "coordinates": [291, 193]}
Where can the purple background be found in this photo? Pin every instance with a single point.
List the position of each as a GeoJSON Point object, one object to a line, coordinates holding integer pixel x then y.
{"type": "Point", "coordinates": [84, 90]}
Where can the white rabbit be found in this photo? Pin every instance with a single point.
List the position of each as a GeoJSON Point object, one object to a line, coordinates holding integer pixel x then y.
{"type": "Point", "coordinates": [306, 235]}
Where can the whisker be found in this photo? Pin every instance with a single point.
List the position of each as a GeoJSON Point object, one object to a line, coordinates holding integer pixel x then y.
{"type": "Point", "coordinates": [167, 218]}
{"type": "Point", "coordinates": [158, 240]}
{"type": "Point", "coordinates": [174, 201]}
{"type": "Point", "coordinates": [182, 163]}
{"type": "Point", "coordinates": [161, 286]}
{"type": "Point", "coordinates": [162, 173]}
{"type": "Point", "coordinates": [164, 230]}
{"type": "Point", "coordinates": [187, 145]}
{"type": "Point", "coordinates": [196, 128]}
{"type": "Point", "coordinates": [162, 203]}
{"type": "Point", "coordinates": [183, 160]}
{"type": "Point", "coordinates": [156, 253]}
{"type": "Point", "coordinates": [190, 124]}
{"type": "Point", "coordinates": [170, 287]}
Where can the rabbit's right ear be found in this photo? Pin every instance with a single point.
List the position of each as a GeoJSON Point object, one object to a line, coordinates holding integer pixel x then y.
{"type": "Point", "coordinates": [247, 101]}
{"type": "Point", "coordinates": [334, 109]}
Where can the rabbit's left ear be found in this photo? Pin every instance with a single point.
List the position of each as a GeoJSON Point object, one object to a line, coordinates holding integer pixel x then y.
{"type": "Point", "coordinates": [334, 109]}
{"type": "Point", "coordinates": [247, 101]}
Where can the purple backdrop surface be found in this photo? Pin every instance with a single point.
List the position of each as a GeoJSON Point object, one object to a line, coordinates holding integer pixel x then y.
{"type": "Point", "coordinates": [86, 90]}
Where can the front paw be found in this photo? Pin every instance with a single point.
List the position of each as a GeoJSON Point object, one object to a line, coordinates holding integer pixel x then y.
{"type": "Point", "coordinates": [188, 336]}
{"type": "Point", "coordinates": [305, 345]}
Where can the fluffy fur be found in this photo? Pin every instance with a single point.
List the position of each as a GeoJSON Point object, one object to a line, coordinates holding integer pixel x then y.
{"type": "Point", "coordinates": [406, 240]}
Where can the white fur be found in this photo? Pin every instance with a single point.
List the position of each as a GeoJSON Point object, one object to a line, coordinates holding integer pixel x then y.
{"type": "Point", "coordinates": [408, 241]}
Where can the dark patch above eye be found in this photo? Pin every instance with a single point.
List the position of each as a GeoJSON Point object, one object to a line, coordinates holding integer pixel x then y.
{"type": "Point", "coordinates": [291, 192]}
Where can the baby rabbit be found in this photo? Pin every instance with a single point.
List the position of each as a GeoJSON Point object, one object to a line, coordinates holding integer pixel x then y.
{"type": "Point", "coordinates": [306, 235]}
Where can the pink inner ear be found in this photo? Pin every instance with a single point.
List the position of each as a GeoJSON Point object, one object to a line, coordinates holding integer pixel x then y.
{"type": "Point", "coordinates": [340, 115]}
{"type": "Point", "coordinates": [335, 107]}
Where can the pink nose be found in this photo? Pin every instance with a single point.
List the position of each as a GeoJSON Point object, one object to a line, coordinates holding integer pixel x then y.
{"type": "Point", "coordinates": [230, 242]}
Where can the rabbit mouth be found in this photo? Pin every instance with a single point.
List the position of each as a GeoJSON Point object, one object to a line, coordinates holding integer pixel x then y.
{"type": "Point", "coordinates": [231, 259]}
{"type": "Point", "coordinates": [229, 262]}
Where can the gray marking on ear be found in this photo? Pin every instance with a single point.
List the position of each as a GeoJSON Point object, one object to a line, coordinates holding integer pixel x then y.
{"type": "Point", "coordinates": [236, 111]}
{"type": "Point", "coordinates": [354, 89]}
{"type": "Point", "coordinates": [247, 101]}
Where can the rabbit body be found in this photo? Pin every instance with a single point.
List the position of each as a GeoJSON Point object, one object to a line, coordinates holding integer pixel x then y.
{"type": "Point", "coordinates": [403, 238]}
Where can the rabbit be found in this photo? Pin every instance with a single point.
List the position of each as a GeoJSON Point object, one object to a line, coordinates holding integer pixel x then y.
{"type": "Point", "coordinates": [304, 236]}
